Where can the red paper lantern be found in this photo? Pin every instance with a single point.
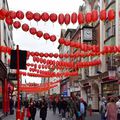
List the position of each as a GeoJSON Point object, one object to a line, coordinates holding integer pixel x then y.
{"type": "Point", "coordinates": [61, 41]}
{"type": "Point", "coordinates": [103, 15]}
{"type": "Point", "coordinates": [39, 34]}
{"type": "Point", "coordinates": [80, 18]}
{"type": "Point", "coordinates": [67, 19]}
{"type": "Point", "coordinates": [36, 17]}
{"type": "Point", "coordinates": [61, 55]}
{"type": "Point", "coordinates": [33, 30]}
{"type": "Point", "coordinates": [16, 24]}
{"type": "Point", "coordinates": [9, 20]}
{"type": "Point", "coordinates": [20, 15]}
{"type": "Point", "coordinates": [25, 27]}
{"type": "Point", "coordinates": [50, 55]}
{"type": "Point", "coordinates": [29, 15]}
{"type": "Point", "coordinates": [67, 43]}
{"type": "Point", "coordinates": [55, 55]}
{"type": "Point", "coordinates": [3, 14]}
{"type": "Point", "coordinates": [61, 19]}
{"type": "Point", "coordinates": [53, 17]}
{"type": "Point", "coordinates": [94, 15]}
{"type": "Point", "coordinates": [74, 18]}
{"type": "Point", "coordinates": [53, 38]}
{"type": "Point", "coordinates": [45, 16]}
{"type": "Point", "coordinates": [111, 14]}
{"type": "Point", "coordinates": [12, 14]}
{"type": "Point", "coordinates": [88, 18]}
{"type": "Point", "coordinates": [46, 54]}
{"type": "Point", "coordinates": [72, 44]}
{"type": "Point", "coordinates": [46, 36]}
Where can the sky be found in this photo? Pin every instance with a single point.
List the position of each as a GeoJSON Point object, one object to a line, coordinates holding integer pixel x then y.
{"type": "Point", "coordinates": [26, 41]}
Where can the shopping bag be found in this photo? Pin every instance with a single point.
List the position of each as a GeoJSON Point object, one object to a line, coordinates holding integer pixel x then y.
{"type": "Point", "coordinates": [28, 113]}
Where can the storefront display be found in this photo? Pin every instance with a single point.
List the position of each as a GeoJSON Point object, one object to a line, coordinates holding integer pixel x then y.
{"type": "Point", "coordinates": [110, 88]}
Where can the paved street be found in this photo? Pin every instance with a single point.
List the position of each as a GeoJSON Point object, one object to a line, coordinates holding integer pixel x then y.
{"type": "Point", "coordinates": [50, 116]}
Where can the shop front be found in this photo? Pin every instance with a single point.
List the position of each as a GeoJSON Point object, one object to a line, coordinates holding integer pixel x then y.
{"type": "Point", "coordinates": [3, 88]}
{"type": "Point", "coordinates": [110, 87]}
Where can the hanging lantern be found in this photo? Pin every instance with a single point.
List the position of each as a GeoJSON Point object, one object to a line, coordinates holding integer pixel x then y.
{"type": "Point", "coordinates": [61, 41]}
{"type": "Point", "coordinates": [67, 43]}
{"type": "Point", "coordinates": [53, 38]}
{"type": "Point", "coordinates": [29, 15]}
{"type": "Point", "coordinates": [103, 15]}
{"type": "Point", "coordinates": [111, 15]}
{"type": "Point", "coordinates": [94, 15]}
{"type": "Point", "coordinates": [25, 27]}
{"type": "Point", "coordinates": [45, 16]}
{"type": "Point", "coordinates": [61, 19]}
{"type": "Point", "coordinates": [74, 18]}
{"type": "Point", "coordinates": [72, 44]}
{"type": "Point", "coordinates": [39, 34]}
{"type": "Point", "coordinates": [53, 17]}
{"type": "Point", "coordinates": [36, 17]}
{"type": "Point", "coordinates": [67, 19]}
{"type": "Point", "coordinates": [9, 20]}
{"type": "Point", "coordinates": [46, 36]}
{"type": "Point", "coordinates": [12, 14]}
{"type": "Point", "coordinates": [55, 55]}
{"type": "Point", "coordinates": [46, 55]}
{"type": "Point", "coordinates": [16, 24]}
{"type": "Point", "coordinates": [80, 18]}
{"type": "Point", "coordinates": [3, 14]}
{"type": "Point", "coordinates": [50, 55]}
{"type": "Point", "coordinates": [20, 15]}
{"type": "Point", "coordinates": [32, 30]}
{"type": "Point", "coordinates": [88, 18]}
{"type": "Point", "coordinates": [60, 55]}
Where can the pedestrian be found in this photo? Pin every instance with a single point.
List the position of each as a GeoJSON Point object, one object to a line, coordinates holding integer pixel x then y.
{"type": "Point", "coordinates": [54, 105]}
{"type": "Point", "coordinates": [43, 110]}
{"type": "Point", "coordinates": [32, 109]}
{"type": "Point", "coordinates": [59, 104]}
{"type": "Point", "coordinates": [103, 108]}
{"type": "Point", "coordinates": [111, 111]}
{"type": "Point", "coordinates": [118, 108]}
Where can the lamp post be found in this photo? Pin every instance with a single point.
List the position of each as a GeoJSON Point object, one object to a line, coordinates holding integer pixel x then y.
{"type": "Point", "coordinates": [18, 87]}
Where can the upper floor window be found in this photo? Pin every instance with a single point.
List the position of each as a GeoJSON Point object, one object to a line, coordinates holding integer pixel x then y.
{"type": "Point", "coordinates": [109, 28]}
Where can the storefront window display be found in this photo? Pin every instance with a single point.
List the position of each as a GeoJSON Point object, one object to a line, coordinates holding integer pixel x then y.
{"type": "Point", "coordinates": [111, 88]}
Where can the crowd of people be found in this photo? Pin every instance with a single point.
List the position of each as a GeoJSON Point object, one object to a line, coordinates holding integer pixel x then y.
{"type": "Point", "coordinates": [110, 108]}
{"type": "Point", "coordinates": [70, 108]}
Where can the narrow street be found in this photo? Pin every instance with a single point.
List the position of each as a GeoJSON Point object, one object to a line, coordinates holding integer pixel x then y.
{"type": "Point", "coordinates": [50, 116]}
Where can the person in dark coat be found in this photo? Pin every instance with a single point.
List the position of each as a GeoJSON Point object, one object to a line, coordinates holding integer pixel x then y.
{"type": "Point", "coordinates": [32, 111]}
{"type": "Point", "coordinates": [43, 110]}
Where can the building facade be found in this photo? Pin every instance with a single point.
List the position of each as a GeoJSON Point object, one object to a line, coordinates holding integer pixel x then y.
{"type": "Point", "coordinates": [6, 39]}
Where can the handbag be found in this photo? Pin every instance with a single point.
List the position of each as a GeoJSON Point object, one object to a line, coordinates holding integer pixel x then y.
{"type": "Point", "coordinates": [28, 113]}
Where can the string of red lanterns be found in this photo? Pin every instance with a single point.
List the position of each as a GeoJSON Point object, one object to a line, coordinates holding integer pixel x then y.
{"type": "Point", "coordinates": [33, 31]}
{"type": "Point", "coordinates": [36, 89]}
{"type": "Point", "coordinates": [48, 74]}
{"type": "Point", "coordinates": [106, 50]}
{"type": "Point", "coordinates": [61, 18]}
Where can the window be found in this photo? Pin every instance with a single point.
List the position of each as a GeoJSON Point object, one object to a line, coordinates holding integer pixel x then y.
{"type": "Point", "coordinates": [110, 29]}
{"type": "Point", "coordinates": [5, 35]}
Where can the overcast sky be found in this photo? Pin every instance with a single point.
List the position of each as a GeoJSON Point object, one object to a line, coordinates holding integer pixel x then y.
{"type": "Point", "coordinates": [26, 41]}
